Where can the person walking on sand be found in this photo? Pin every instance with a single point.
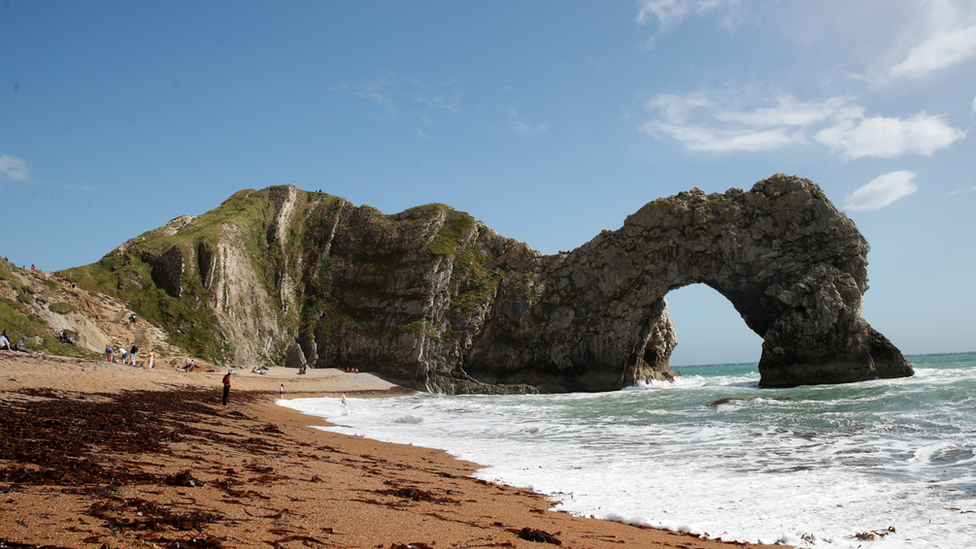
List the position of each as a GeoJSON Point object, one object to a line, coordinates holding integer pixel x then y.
{"type": "Point", "coordinates": [226, 387]}
{"type": "Point", "coordinates": [281, 392]}
{"type": "Point", "coordinates": [342, 399]}
{"type": "Point", "coordinates": [152, 358]}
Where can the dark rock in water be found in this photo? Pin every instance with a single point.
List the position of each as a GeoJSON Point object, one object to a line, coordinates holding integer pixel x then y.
{"type": "Point", "coordinates": [730, 400]}
{"type": "Point", "coordinates": [433, 299]}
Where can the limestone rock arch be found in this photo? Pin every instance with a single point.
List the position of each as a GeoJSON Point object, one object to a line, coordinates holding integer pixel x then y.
{"type": "Point", "coordinates": [791, 264]}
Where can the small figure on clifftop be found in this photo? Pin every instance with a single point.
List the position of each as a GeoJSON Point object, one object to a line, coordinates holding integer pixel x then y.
{"type": "Point", "coordinates": [226, 387]}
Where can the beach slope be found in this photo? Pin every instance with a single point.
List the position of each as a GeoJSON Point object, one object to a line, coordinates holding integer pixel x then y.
{"type": "Point", "coordinates": [95, 454]}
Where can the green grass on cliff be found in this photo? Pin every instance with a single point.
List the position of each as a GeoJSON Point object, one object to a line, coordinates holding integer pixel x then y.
{"type": "Point", "coordinates": [451, 234]}
{"type": "Point", "coordinates": [19, 321]}
{"type": "Point", "coordinates": [190, 324]}
{"type": "Point", "coordinates": [245, 217]}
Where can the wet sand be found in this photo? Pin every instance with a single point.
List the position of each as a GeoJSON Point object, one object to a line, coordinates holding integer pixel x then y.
{"type": "Point", "coordinates": [95, 454]}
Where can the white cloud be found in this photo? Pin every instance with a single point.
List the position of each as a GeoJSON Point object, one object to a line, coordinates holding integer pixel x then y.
{"type": "Point", "coordinates": [12, 167]}
{"type": "Point", "coordinates": [974, 106]}
{"type": "Point", "coordinates": [789, 112]}
{"type": "Point", "coordinates": [713, 121]}
{"type": "Point", "coordinates": [420, 133]}
{"type": "Point", "coordinates": [705, 121]}
{"type": "Point", "coordinates": [855, 136]}
{"type": "Point", "coordinates": [882, 191]}
{"type": "Point", "coordinates": [698, 138]}
{"type": "Point", "coordinates": [960, 191]}
{"type": "Point", "coordinates": [946, 47]}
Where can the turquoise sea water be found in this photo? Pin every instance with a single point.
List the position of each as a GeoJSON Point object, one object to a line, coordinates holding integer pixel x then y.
{"type": "Point", "coordinates": [812, 466]}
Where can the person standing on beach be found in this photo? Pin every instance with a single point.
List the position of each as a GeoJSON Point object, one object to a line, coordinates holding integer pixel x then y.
{"type": "Point", "coordinates": [132, 354]}
{"type": "Point", "coordinates": [110, 354]}
{"type": "Point", "coordinates": [226, 387]}
{"type": "Point", "coordinates": [152, 358]}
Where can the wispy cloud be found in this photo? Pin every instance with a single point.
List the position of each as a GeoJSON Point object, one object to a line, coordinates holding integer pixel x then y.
{"type": "Point", "coordinates": [707, 121]}
{"type": "Point", "coordinates": [13, 168]}
{"type": "Point", "coordinates": [515, 122]}
{"type": "Point", "coordinates": [882, 191]}
{"type": "Point", "coordinates": [420, 133]}
{"type": "Point", "coordinates": [380, 91]}
{"type": "Point", "coordinates": [435, 97]}
{"type": "Point", "coordinates": [949, 39]}
{"type": "Point", "coordinates": [391, 90]}
{"type": "Point", "coordinates": [856, 136]}
{"type": "Point", "coordinates": [526, 129]}
{"type": "Point", "coordinates": [714, 121]}
{"type": "Point", "coordinates": [85, 188]}
{"type": "Point", "coordinates": [938, 52]}
{"type": "Point", "coordinates": [669, 14]}
{"type": "Point", "coordinates": [960, 191]}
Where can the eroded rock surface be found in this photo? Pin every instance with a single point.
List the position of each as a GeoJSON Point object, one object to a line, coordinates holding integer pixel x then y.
{"type": "Point", "coordinates": [432, 299]}
{"type": "Point", "coordinates": [790, 263]}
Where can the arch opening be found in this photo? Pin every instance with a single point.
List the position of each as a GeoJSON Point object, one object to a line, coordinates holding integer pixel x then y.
{"type": "Point", "coordinates": [709, 329]}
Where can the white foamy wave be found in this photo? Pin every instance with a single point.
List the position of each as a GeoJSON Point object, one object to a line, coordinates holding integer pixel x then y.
{"type": "Point", "coordinates": [814, 469]}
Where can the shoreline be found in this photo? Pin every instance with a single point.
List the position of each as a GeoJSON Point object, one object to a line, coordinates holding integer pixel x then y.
{"type": "Point", "coordinates": [95, 453]}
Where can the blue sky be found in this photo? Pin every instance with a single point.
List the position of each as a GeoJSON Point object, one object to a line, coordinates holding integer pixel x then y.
{"type": "Point", "coordinates": [550, 121]}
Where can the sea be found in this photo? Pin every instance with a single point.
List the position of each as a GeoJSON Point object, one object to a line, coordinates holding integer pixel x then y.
{"type": "Point", "coordinates": [884, 463]}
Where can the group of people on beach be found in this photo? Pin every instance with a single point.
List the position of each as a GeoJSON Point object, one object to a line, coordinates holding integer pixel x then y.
{"type": "Point", "coordinates": [6, 345]}
{"type": "Point", "coordinates": [127, 357]}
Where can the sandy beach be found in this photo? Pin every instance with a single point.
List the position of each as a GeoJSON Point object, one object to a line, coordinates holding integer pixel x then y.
{"type": "Point", "coordinates": [96, 454]}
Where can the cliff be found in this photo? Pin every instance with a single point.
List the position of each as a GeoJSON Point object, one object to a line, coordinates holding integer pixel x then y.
{"type": "Point", "coordinates": [433, 299]}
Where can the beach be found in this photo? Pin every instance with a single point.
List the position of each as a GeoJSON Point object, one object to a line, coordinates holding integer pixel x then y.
{"type": "Point", "coordinates": [96, 454]}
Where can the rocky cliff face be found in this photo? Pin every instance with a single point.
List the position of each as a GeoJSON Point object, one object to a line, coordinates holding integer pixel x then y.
{"type": "Point", "coordinates": [790, 263]}
{"type": "Point", "coordinates": [433, 299]}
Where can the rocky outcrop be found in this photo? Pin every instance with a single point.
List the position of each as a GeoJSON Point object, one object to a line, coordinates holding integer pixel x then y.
{"type": "Point", "coordinates": [433, 299]}
{"type": "Point", "coordinates": [491, 315]}
{"type": "Point", "coordinates": [790, 263]}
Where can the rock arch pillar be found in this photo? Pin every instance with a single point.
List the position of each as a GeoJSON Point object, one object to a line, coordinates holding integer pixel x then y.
{"type": "Point", "coordinates": [790, 263]}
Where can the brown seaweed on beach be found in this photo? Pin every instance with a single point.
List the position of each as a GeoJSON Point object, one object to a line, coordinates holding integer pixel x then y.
{"type": "Point", "coordinates": [4, 544]}
{"type": "Point", "coordinates": [86, 446]}
{"type": "Point", "coordinates": [532, 534]}
{"type": "Point", "coordinates": [306, 539]}
{"type": "Point", "coordinates": [415, 494]}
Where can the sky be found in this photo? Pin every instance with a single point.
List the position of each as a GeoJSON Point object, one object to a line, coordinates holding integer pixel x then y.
{"type": "Point", "coordinates": [548, 120]}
